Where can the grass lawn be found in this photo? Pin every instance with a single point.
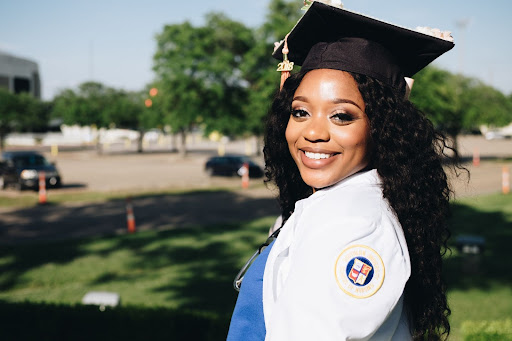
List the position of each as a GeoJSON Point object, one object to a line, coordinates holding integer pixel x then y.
{"type": "Point", "coordinates": [192, 268]}
{"type": "Point", "coordinates": [182, 268]}
{"type": "Point", "coordinates": [480, 286]}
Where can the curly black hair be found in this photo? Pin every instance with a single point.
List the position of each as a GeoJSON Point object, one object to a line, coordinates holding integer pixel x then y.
{"type": "Point", "coordinates": [407, 153]}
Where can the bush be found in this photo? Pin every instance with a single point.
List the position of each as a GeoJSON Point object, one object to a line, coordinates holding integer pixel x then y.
{"type": "Point", "coordinates": [30, 321]}
{"type": "Point", "coordinates": [487, 330]}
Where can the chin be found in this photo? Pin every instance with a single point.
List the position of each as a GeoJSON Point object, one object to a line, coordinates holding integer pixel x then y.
{"type": "Point", "coordinates": [319, 183]}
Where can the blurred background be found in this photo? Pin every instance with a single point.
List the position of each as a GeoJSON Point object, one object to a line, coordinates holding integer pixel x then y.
{"type": "Point", "coordinates": [131, 139]}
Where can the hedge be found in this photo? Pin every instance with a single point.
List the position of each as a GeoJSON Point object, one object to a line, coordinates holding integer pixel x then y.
{"type": "Point", "coordinates": [29, 321]}
{"type": "Point", "coordinates": [487, 330]}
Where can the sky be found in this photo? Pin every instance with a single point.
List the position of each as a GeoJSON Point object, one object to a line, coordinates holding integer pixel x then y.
{"type": "Point", "coordinates": [113, 42]}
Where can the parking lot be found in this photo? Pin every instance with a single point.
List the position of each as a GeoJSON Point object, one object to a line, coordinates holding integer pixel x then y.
{"type": "Point", "coordinates": [118, 170]}
{"type": "Point", "coordinates": [121, 168]}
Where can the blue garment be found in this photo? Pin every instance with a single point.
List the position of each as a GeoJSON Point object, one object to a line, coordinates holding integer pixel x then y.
{"type": "Point", "coordinates": [247, 322]}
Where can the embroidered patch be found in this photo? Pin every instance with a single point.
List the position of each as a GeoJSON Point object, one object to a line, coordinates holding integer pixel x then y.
{"type": "Point", "coordinates": [359, 271]}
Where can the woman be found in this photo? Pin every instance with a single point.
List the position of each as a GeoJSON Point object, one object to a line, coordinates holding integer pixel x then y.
{"type": "Point", "coordinates": [362, 191]}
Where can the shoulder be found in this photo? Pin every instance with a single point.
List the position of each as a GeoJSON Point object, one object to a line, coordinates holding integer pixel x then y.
{"type": "Point", "coordinates": [354, 204]}
{"type": "Point", "coordinates": [362, 199]}
{"type": "Point", "coordinates": [348, 243]}
{"type": "Point", "coordinates": [354, 220]}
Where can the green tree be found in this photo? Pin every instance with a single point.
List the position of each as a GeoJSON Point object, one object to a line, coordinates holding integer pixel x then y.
{"type": "Point", "coordinates": [455, 103]}
{"type": "Point", "coordinates": [126, 110]}
{"type": "Point", "coordinates": [259, 66]}
{"type": "Point", "coordinates": [94, 104]}
{"type": "Point", "coordinates": [84, 107]}
{"type": "Point", "coordinates": [484, 105]}
{"type": "Point", "coordinates": [199, 77]}
{"type": "Point", "coordinates": [21, 113]}
{"type": "Point", "coordinates": [434, 93]}
{"type": "Point", "coordinates": [8, 115]}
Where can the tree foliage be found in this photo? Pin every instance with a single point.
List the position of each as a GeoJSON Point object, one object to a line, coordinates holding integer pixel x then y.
{"type": "Point", "coordinates": [21, 113]}
{"type": "Point", "coordinates": [455, 103]}
{"type": "Point", "coordinates": [483, 104]}
{"type": "Point", "coordinates": [95, 104]}
{"type": "Point", "coordinates": [259, 66]}
{"type": "Point", "coordinates": [434, 93]}
{"type": "Point", "coordinates": [199, 77]}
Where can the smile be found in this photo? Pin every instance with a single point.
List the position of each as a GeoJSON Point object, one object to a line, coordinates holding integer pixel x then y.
{"type": "Point", "coordinates": [317, 156]}
{"type": "Point", "coordinates": [318, 159]}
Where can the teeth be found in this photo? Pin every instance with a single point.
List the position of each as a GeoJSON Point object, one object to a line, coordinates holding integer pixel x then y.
{"type": "Point", "coordinates": [317, 156]}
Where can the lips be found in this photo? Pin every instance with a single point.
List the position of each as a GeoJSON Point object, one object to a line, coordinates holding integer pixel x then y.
{"type": "Point", "coordinates": [317, 159]}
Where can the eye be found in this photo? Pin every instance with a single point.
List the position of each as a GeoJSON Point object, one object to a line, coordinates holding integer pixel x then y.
{"type": "Point", "coordinates": [299, 113]}
{"type": "Point", "coordinates": [342, 118]}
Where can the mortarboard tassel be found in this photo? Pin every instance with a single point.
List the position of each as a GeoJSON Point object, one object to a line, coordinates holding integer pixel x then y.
{"type": "Point", "coordinates": [408, 87]}
{"type": "Point", "coordinates": [286, 66]}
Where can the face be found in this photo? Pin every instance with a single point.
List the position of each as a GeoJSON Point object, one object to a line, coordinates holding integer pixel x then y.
{"type": "Point", "coordinates": [328, 133]}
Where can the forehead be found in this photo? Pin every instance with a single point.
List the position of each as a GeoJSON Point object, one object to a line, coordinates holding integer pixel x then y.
{"type": "Point", "coordinates": [329, 84]}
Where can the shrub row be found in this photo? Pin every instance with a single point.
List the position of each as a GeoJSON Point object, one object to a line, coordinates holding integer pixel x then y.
{"type": "Point", "coordinates": [487, 330]}
{"type": "Point", "coordinates": [29, 321]}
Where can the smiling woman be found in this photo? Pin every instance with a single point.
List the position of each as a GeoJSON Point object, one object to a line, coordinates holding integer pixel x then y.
{"type": "Point", "coordinates": [328, 132]}
{"type": "Point", "coordinates": [363, 194]}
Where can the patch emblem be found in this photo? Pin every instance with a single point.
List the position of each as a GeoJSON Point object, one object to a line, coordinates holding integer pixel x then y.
{"type": "Point", "coordinates": [359, 271]}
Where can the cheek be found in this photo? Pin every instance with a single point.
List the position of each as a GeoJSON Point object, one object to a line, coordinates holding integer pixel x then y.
{"type": "Point", "coordinates": [364, 146]}
{"type": "Point", "coordinates": [352, 138]}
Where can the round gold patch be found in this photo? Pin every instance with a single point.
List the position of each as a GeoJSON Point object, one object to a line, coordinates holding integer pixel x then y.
{"type": "Point", "coordinates": [359, 271]}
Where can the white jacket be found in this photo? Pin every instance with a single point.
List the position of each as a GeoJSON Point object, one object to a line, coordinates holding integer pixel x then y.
{"type": "Point", "coordinates": [338, 269]}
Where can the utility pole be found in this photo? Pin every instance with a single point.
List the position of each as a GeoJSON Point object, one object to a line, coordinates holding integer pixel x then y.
{"type": "Point", "coordinates": [462, 24]}
{"type": "Point", "coordinates": [91, 60]}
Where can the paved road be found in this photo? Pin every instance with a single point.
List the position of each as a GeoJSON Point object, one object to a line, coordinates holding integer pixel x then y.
{"type": "Point", "coordinates": [131, 172]}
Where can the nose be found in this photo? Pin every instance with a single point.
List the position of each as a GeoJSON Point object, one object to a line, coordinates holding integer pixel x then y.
{"type": "Point", "coordinates": [317, 130]}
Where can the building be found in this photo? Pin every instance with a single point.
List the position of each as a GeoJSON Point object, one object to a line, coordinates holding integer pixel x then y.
{"type": "Point", "coordinates": [19, 75]}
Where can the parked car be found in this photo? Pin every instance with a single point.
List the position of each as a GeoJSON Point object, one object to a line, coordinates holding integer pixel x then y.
{"type": "Point", "coordinates": [21, 169]}
{"type": "Point", "coordinates": [496, 135]}
{"type": "Point", "coordinates": [231, 165]}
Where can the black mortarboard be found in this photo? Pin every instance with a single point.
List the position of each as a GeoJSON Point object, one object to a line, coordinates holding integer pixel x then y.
{"type": "Point", "coordinates": [334, 38]}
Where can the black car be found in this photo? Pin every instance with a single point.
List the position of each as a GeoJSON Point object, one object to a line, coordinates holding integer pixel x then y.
{"type": "Point", "coordinates": [231, 165]}
{"type": "Point", "coordinates": [21, 169]}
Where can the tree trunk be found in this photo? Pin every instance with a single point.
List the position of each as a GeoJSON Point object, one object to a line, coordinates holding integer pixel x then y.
{"type": "Point", "coordinates": [259, 144]}
{"type": "Point", "coordinates": [183, 144]}
{"type": "Point", "coordinates": [2, 140]}
{"type": "Point", "coordinates": [453, 132]}
{"type": "Point", "coordinates": [140, 142]}
{"type": "Point", "coordinates": [99, 145]}
{"type": "Point", "coordinates": [174, 142]}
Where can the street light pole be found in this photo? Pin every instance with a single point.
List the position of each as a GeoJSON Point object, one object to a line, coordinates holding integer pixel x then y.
{"type": "Point", "coordinates": [462, 24]}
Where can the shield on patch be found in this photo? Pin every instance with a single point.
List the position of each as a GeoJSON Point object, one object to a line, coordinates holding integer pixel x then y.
{"type": "Point", "coordinates": [360, 271]}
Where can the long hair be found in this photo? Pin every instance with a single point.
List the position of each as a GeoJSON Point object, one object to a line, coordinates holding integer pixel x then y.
{"type": "Point", "coordinates": [407, 153]}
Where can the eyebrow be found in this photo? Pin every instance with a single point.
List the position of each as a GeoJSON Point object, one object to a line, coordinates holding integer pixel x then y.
{"type": "Point", "coordinates": [335, 101]}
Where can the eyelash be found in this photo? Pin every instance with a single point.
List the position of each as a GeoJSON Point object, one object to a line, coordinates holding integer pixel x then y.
{"type": "Point", "coordinates": [340, 117]}
{"type": "Point", "coordinates": [299, 113]}
{"type": "Point", "coordinates": [343, 117]}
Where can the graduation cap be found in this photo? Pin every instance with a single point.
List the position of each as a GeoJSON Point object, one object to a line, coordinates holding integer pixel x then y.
{"type": "Point", "coordinates": [328, 37]}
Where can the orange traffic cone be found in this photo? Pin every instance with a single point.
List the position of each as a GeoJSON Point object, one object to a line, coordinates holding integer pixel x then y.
{"type": "Point", "coordinates": [42, 188]}
{"type": "Point", "coordinates": [130, 217]}
{"type": "Point", "coordinates": [505, 180]}
{"type": "Point", "coordinates": [476, 157]}
{"type": "Point", "coordinates": [245, 175]}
